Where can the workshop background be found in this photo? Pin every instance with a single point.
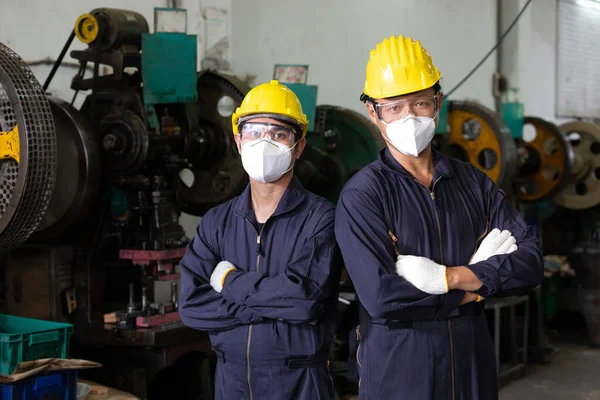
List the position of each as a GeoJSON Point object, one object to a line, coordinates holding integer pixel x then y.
{"type": "Point", "coordinates": [97, 206]}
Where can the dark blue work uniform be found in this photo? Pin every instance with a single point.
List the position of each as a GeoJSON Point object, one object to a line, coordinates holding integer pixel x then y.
{"type": "Point", "coordinates": [272, 324]}
{"type": "Point", "coordinates": [414, 345]}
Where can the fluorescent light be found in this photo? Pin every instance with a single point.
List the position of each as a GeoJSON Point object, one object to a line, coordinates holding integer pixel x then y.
{"type": "Point", "coordinates": [591, 4]}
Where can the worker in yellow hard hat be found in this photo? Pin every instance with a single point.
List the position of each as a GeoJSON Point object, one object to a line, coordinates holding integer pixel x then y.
{"type": "Point", "coordinates": [425, 239]}
{"type": "Point", "coordinates": [262, 272]}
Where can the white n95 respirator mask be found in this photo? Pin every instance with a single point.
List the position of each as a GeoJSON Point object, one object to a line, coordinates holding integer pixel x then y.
{"type": "Point", "coordinates": [411, 135]}
{"type": "Point", "coordinates": [266, 160]}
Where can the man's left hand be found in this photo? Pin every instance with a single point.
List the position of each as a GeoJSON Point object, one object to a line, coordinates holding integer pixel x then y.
{"type": "Point", "coordinates": [425, 274]}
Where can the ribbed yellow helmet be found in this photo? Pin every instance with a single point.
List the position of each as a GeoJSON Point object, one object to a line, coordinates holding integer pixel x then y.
{"type": "Point", "coordinates": [271, 99]}
{"type": "Point", "coordinates": [398, 66]}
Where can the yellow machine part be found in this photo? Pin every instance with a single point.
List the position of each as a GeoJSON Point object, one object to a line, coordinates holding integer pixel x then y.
{"type": "Point", "coordinates": [86, 28]}
{"type": "Point", "coordinates": [9, 144]}
{"type": "Point", "coordinates": [554, 153]}
{"type": "Point", "coordinates": [487, 140]}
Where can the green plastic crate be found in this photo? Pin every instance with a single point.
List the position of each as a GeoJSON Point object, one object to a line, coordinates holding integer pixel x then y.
{"type": "Point", "coordinates": [28, 339]}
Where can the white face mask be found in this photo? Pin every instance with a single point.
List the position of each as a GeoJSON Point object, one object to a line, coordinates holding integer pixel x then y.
{"type": "Point", "coordinates": [266, 160]}
{"type": "Point", "coordinates": [411, 135]}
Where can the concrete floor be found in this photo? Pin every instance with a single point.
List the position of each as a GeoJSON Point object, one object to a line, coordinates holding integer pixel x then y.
{"type": "Point", "coordinates": [573, 374]}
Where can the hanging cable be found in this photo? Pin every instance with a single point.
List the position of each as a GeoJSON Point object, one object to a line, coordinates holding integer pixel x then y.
{"type": "Point", "coordinates": [491, 51]}
{"type": "Point", "coordinates": [59, 60]}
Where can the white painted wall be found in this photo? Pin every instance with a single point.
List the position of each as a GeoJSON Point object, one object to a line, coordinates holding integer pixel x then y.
{"type": "Point", "coordinates": [537, 69]}
{"type": "Point", "coordinates": [335, 37]}
{"type": "Point", "coordinates": [529, 56]}
{"type": "Point", "coordinates": [38, 29]}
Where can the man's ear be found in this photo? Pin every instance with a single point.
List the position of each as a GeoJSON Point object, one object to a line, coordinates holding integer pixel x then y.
{"type": "Point", "coordinates": [371, 111]}
{"type": "Point", "coordinates": [300, 146]}
{"type": "Point", "coordinates": [238, 142]}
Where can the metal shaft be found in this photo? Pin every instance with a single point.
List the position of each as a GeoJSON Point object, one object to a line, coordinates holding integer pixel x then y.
{"type": "Point", "coordinates": [131, 305]}
{"type": "Point", "coordinates": [174, 300]}
{"type": "Point", "coordinates": [144, 299]}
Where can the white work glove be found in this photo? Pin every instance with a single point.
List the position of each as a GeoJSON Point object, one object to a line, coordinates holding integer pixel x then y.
{"type": "Point", "coordinates": [495, 243]}
{"type": "Point", "coordinates": [426, 275]}
{"type": "Point", "coordinates": [217, 279]}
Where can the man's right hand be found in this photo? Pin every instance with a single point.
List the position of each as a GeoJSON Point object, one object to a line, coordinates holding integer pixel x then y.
{"type": "Point", "coordinates": [217, 279]}
{"type": "Point", "coordinates": [496, 242]}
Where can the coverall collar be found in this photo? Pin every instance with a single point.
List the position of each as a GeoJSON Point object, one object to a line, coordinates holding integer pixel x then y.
{"type": "Point", "coordinates": [441, 166]}
{"type": "Point", "coordinates": [293, 196]}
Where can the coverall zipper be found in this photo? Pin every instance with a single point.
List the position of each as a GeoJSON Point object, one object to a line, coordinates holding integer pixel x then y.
{"type": "Point", "coordinates": [437, 217]}
{"type": "Point", "coordinates": [258, 234]}
{"type": "Point", "coordinates": [357, 350]}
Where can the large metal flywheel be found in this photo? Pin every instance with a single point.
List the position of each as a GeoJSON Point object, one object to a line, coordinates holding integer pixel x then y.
{"type": "Point", "coordinates": [28, 155]}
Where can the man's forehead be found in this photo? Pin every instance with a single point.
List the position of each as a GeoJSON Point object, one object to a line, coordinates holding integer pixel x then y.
{"type": "Point", "coordinates": [421, 93]}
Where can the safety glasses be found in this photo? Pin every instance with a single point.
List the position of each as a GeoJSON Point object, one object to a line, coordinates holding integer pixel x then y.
{"type": "Point", "coordinates": [419, 106]}
{"type": "Point", "coordinates": [250, 131]}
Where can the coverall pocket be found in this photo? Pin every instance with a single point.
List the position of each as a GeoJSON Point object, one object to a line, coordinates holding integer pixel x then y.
{"type": "Point", "coordinates": [298, 339]}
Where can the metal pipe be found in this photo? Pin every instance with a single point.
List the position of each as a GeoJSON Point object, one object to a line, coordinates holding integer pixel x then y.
{"type": "Point", "coordinates": [131, 305]}
{"type": "Point", "coordinates": [144, 299]}
{"type": "Point", "coordinates": [499, 35]}
{"type": "Point", "coordinates": [174, 300]}
{"type": "Point", "coordinates": [498, 75]}
{"type": "Point", "coordinates": [59, 60]}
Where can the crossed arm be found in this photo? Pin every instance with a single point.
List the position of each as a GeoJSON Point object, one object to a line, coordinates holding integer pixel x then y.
{"type": "Point", "coordinates": [506, 262]}
{"type": "Point", "coordinates": [385, 285]}
{"type": "Point", "coordinates": [295, 295]}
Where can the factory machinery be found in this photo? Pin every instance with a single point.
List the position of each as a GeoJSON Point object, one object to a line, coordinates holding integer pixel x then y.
{"type": "Point", "coordinates": [552, 176]}
{"type": "Point", "coordinates": [90, 198]}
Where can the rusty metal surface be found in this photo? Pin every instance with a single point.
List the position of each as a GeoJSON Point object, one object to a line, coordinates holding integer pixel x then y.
{"type": "Point", "coordinates": [167, 335]}
{"type": "Point", "coordinates": [25, 188]}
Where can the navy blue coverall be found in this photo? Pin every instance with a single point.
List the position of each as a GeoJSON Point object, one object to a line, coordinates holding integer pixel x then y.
{"type": "Point", "coordinates": [413, 345]}
{"type": "Point", "coordinates": [272, 324]}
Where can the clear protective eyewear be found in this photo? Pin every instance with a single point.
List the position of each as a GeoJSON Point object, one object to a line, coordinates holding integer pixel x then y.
{"type": "Point", "coordinates": [419, 106]}
{"type": "Point", "coordinates": [250, 131]}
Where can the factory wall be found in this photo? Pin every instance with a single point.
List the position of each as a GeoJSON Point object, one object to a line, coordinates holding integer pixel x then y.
{"type": "Point", "coordinates": [335, 37]}
{"type": "Point", "coordinates": [529, 55]}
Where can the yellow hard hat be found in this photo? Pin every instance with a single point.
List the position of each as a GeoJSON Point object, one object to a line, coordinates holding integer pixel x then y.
{"type": "Point", "coordinates": [398, 66]}
{"type": "Point", "coordinates": [271, 100]}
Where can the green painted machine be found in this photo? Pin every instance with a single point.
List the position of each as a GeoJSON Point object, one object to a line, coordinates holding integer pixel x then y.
{"type": "Point", "coordinates": [340, 142]}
